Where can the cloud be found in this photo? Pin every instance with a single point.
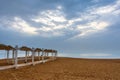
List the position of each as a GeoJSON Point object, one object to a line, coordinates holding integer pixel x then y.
{"type": "Point", "coordinates": [95, 55]}
{"type": "Point", "coordinates": [97, 19]}
{"type": "Point", "coordinates": [54, 23]}
{"type": "Point", "coordinates": [23, 26]}
{"type": "Point", "coordinates": [106, 10]}
{"type": "Point", "coordinates": [19, 25]}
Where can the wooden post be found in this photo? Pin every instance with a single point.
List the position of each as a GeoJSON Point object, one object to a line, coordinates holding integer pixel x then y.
{"type": "Point", "coordinates": [16, 60]}
{"type": "Point", "coordinates": [8, 56]}
{"type": "Point", "coordinates": [33, 54]}
{"type": "Point", "coordinates": [13, 56]}
{"type": "Point", "coordinates": [26, 56]}
{"type": "Point", "coordinates": [56, 55]}
{"type": "Point", "coordinates": [53, 55]}
{"type": "Point", "coordinates": [39, 55]}
{"type": "Point", "coordinates": [43, 55]}
{"type": "Point", "coordinates": [47, 54]}
{"type": "Point", "coordinates": [28, 53]}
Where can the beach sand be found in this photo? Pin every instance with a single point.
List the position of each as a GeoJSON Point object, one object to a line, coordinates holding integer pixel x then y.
{"type": "Point", "coordinates": [67, 69]}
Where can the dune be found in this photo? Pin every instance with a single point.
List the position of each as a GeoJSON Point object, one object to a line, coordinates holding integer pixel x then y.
{"type": "Point", "coordinates": [67, 69]}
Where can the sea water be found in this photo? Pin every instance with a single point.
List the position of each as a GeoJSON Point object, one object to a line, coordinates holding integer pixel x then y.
{"type": "Point", "coordinates": [3, 54]}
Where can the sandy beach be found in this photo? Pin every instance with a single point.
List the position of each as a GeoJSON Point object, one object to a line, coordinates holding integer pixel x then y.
{"type": "Point", "coordinates": [67, 69]}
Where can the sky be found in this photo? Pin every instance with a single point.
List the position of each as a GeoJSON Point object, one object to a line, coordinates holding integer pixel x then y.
{"type": "Point", "coordinates": [76, 28]}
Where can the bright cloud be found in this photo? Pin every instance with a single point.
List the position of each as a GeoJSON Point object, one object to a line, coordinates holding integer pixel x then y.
{"type": "Point", "coordinates": [95, 55]}
{"type": "Point", "coordinates": [54, 22]}
{"type": "Point", "coordinates": [23, 26]}
{"type": "Point", "coordinates": [19, 25]}
{"type": "Point", "coordinates": [50, 15]}
{"type": "Point", "coordinates": [95, 21]}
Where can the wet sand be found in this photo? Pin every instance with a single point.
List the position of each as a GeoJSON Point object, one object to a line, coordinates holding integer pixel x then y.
{"type": "Point", "coordinates": [67, 69]}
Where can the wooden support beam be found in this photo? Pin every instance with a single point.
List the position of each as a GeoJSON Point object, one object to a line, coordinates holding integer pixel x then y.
{"type": "Point", "coordinates": [26, 53]}
{"type": "Point", "coordinates": [43, 55]}
{"type": "Point", "coordinates": [16, 60]}
{"type": "Point", "coordinates": [55, 55]}
{"type": "Point", "coordinates": [33, 54]}
{"type": "Point", "coordinates": [8, 56]}
{"type": "Point", "coordinates": [13, 56]}
{"type": "Point", "coordinates": [39, 55]}
{"type": "Point", "coordinates": [51, 55]}
{"type": "Point", "coordinates": [47, 54]}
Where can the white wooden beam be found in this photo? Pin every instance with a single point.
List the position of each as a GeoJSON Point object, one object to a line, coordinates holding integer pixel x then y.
{"type": "Point", "coordinates": [16, 60]}
{"type": "Point", "coordinates": [39, 55]}
{"type": "Point", "coordinates": [43, 55]}
{"type": "Point", "coordinates": [26, 53]}
{"type": "Point", "coordinates": [33, 54]}
{"type": "Point", "coordinates": [8, 56]}
{"type": "Point", "coordinates": [13, 56]}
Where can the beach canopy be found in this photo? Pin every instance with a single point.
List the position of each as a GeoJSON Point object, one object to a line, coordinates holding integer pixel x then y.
{"type": "Point", "coordinates": [10, 48]}
{"type": "Point", "coordinates": [50, 50]}
{"type": "Point", "coordinates": [6, 47]}
{"type": "Point", "coordinates": [24, 48]}
{"type": "Point", "coordinates": [38, 50]}
{"type": "Point", "coordinates": [45, 50]}
{"type": "Point", "coordinates": [55, 51]}
{"type": "Point", "coordinates": [3, 47]}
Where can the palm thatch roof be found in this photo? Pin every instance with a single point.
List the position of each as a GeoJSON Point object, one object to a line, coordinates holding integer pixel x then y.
{"type": "Point", "coordinates": [24, 48]}
{"type": "Point", "coordinates": [6, 47]}
{"type": "Point", "coordinates": [10, 48]}
{"type": "Point", "coordinates": [3, 47]}
{"type": "Point", "coordinates": [38, 50]}
{"type": "Point", "coordinates": [55, 51]}
{"type": "Point", "coordinates": [50, 50]}
{"type": "Point", "coordinates": [45, 50]}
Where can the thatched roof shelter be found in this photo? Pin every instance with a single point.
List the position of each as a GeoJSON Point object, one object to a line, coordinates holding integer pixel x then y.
{"type": "Point", "coordinates": [38, 50]}
{"type": "Point", "coordinates": [45, 50]}
{"type": "Point", "coordinates": [6, 47]}
{"type": "Point", "coordinates": [10, 48]}
{"type": "Point", "coordinates": [55, 51]}
{"type": "Point", "coordinates": [3, 47]}
{"type": "Point", "coordinates": [24, 48]}
{"type": "Point", "coordinates": [50, 50]}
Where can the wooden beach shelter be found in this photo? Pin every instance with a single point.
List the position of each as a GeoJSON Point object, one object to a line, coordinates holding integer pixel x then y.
{"type": "Point", "coordinates": [27, 50]}
{"type": "Point", "coordinates": [55, 53]}
{"type": "Point", "coordinates": [38, 50]}
{"type": "Point", "coordinates": [7, 48]}
{"type": "Point", "coordinates": [50, 51]}
{"type": "Point", "coordinates": [3, 47]}
{"type": "Point", "coordinates": [46, 51]}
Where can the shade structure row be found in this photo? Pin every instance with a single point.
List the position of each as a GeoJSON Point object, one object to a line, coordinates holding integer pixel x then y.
{"type": "Point", "coordinates": [6, 47]}
{"type": "Point", "coordinates": [35, 52]}
{"type": "Point", "coordinates": [25, 48]}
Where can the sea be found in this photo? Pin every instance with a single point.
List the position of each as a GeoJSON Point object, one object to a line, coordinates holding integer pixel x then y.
{"type": "Point", "coordinates": [3, 54]}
